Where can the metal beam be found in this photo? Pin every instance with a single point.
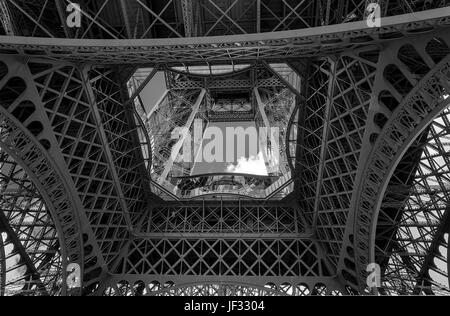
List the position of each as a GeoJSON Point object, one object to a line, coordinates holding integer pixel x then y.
{"type": "Point", "coordinates": [284, 81]}
{"type": "Point", "coordinates": [177, 147]}
{"type": "Point", "coordinates": [302, 236]}
{"type": "Point", "coordinates": [258, 16]}
{"type": "Point", "coordinates": [188, 17]}
{"type": "Point", "coordinates": [261, 107]}
{"type": "Point", "coordinates": [31, 18]}
{"type": "Point", "coordinates": [158, 17]}
{"type": "Point", "coordinates": [94, 20]}
{"type": "Point", "coordinates": [326, 130]}
{"type": "Point", "coordinates": [105, 143]}
{"type": "Point", "coordinates": [20, 249]}
{"type": "Point", "coordinates": [142, 86]}
{"type": "Point", "coordinates": [126, 18]}
{"type": "Point", "coordinates": [62, 16]}
{"type": "Point", "coordinates": [225, 14]}
{"type": "Point", "coordinates": [5, 17]}
{"type": "Point", "coordinates": [315, 41]}
{"type": "Point", "coordinates": [438, 237]}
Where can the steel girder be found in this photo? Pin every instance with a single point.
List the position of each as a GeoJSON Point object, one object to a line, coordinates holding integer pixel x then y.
{"type": "Point", "coordinates": [199, 246]}
{"type": "Point", "coordinates": [333, 123]}
{"type": "Point", "coordinates": [375, 125]}
{"type": "Point", "coordinates": [154, 288]}
{"type": "Point", "coordinates": [86, 114]}
{"type": "Point", "coordinates": [362, 86]}
{"type": "Point", "coordinates": [180, 104]}
{"type": "Point", "coordinates": [31, 261]}
{"type": "Point", "coordinates": [410, 238]}
{"type": "Point", "coordinates": [24, 139]}
{"type": "Point", "coordinates": [53, 102]}
{"type": "Point", "coordinates": [311, 42]}
{"type": "Point", "coordinates": [359, 71]}
{"type": "Point", "coordinates": [411, 91]}
{"type": "Point", "coordinates": [229, 219]}
{"type": "Point", "coordinates": [210, 288]}
{"type": "Point", "coordinates": [118, 19]}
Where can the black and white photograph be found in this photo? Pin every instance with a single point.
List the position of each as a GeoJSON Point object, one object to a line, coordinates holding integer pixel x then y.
{"type": "Point", "coordinates": [232, 154]}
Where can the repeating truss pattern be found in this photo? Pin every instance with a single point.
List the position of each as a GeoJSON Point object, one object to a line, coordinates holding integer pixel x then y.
{"type": "Point", "coordinates": [261, 93]}
{"type": "Point", "coordinates": [239, 218]}
{"type": "Point", "coordinates": [221, 289]}
{"type": "Point", "coordinates": [22, 135]}
{"type": "Point", "coordinates": [119, 19]}
{"type": "Point", "coordinates": [414, 242]}
{"type": "Point", "coordinates": [120, 128]}
{"type": "Point", "coordinates": [174, 111]}
{"type": "Point", "coordinates": [223, 257]}
{"type": "Point", "coordinates": [333, 130]}
{"type": "Point", "coordinates": [345, 120]}
{"type": "Point", "coordinates": [367, 142]}
{"type": "Point", "coordinates": [72, 120]}
{"type": "Point", "coordinates": [225, 240]}
{"type": "Point", "coordinates": [325, 41]}
{"type": "Point", "coordinates": [412, 106]}
{"type": "Point", "coordinates": [30, 259]}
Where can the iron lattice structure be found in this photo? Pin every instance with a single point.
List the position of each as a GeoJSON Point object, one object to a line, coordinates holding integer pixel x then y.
{"type": "Point", "coordinates": [86, 170]}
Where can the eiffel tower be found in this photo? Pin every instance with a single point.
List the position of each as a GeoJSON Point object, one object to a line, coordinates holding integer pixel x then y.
{"type": "Point", "coordinates": [95, 198]}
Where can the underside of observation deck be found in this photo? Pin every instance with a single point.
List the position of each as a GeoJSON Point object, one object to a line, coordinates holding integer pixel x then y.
{"type": "Point", "coordinates": [90, 173]}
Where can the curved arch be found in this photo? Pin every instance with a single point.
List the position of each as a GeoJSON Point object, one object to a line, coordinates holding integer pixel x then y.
{"type": "Point", "coordinates": [30, 155]}
{"type": "Point", "coordinates": [303, 289]}
{"type": "Point", "coordinates": [319, 289]}
{"type": "Point", "coordinates": [24, 110]}
{"type": "Point", "coordinates": [386, 98]}
{"type": "Point", "coordinates": [380, 120]}
{"type": "Point", "coordinates": [406, 123]}
{"type": "Point", "coordinates": [28, 226]}
{"type": "Point", "coordinates": [412, 248]}
{"type": "Point", "coordinates": [35, 128]}
{"type": "Point", "coordinates": [397, 79]}
{"type": "Point", "coordinates": [139, 288]}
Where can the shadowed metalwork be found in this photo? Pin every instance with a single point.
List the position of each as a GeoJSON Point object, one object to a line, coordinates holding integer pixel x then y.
{"type": "Point", "coordinates": [90, 172]}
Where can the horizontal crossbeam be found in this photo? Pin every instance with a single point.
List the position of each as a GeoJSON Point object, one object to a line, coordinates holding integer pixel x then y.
{"type": "Point", "coordinates": [316, 41]}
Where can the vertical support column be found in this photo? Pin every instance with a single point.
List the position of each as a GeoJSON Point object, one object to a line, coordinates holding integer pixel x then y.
{"type": "Point", "coordinates": [177, 147]}
{"type": "Point", "coordinates": [105, 143]}
{"type": "Point", "coordinates": [188, 17]}
{"type": "Point", "coordinates": [158, 104]}
{"type": "Point", "coordinates": [326, 129]}
{"type": "Point", "coordinates": [261, 106]}
{"type": "Point", "coordinates": [62, 16]}
{"type": "Point", "coordinates": [258, 16]}
{"type": "Point", "coordinates": [143, 84]}
{"type": "Point", "coordinates": [126, 18]}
